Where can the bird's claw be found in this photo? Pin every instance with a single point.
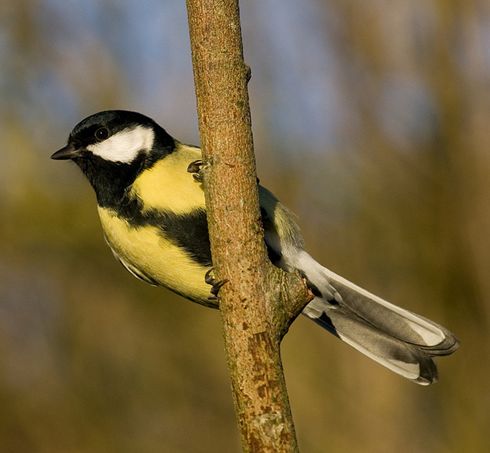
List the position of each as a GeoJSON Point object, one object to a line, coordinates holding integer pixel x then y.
{"type": "Point", "coordinates": [215, 284]}
{"type": "Point", "coordinates": [196, 168]}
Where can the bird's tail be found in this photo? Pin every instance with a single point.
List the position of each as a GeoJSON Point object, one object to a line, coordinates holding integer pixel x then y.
{"type": "Point", "coordinates": [396, 338]}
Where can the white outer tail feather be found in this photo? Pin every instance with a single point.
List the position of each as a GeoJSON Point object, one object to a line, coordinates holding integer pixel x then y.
{"type": "Point", "coordinates": [431, 334]}
{"type": "Point", "coordinates": [370, 324]}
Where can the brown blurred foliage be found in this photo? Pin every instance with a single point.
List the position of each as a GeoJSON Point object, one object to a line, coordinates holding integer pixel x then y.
{"type": "Point", "coordinates": [390, 184]}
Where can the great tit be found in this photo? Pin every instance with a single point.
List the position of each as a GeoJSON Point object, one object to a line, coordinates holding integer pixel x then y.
{"type": "Point", "coordinates": [153, 216]}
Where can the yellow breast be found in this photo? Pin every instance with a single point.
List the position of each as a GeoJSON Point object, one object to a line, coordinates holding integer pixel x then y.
{"type": "Point", "coordinates": [166, 186]}
{"type": "Point", "coordinates": [147, 250]}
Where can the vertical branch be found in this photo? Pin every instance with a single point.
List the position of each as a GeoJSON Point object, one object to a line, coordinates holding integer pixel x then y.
{"type": "Point", "coordinates": [259, 301]}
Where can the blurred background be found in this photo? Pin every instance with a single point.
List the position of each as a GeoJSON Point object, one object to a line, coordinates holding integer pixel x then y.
{"type": "Point", "coordinates": [371, 122]}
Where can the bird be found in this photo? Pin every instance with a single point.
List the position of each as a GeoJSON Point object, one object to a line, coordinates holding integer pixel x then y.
{"type": "Point", "coordinates": [150, 200]}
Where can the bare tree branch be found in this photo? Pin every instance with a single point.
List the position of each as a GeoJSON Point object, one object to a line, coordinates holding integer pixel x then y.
{"type": "Point", "coordinates": [259, 301]}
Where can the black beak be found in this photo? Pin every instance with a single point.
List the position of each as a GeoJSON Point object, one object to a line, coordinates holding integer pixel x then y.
{"type": "Point", "coordinates": [68, 152]}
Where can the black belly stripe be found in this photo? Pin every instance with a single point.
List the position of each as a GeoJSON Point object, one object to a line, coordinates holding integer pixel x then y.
{"type": "Point", "coordinates": [188, 231]}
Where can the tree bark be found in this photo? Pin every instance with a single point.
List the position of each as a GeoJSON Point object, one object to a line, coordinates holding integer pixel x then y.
{"type": "Point", "coordinates": [258, 302]}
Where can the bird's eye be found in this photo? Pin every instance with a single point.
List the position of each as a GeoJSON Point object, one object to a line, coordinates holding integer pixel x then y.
{"type": "Point", "coordinates": [101, 133]}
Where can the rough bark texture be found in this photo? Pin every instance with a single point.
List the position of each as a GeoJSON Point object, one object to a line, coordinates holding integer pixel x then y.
{"type": "Point", "coordinates": [259, 301]}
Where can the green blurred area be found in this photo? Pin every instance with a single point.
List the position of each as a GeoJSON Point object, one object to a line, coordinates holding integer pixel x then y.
{"type": "Point", "coordinates": [92, 360]}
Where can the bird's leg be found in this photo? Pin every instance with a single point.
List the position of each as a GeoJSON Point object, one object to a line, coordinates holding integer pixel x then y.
{"type": "Point", "coordinates": [197, 168]}
{"type": "Point", "coordinates": [215, 284]}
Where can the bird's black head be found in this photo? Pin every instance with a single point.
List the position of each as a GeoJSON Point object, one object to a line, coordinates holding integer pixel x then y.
{"type": "Point", "coordinates": [112, 148]}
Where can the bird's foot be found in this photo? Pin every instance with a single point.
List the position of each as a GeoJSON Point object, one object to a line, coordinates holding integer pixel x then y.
{"type": "Point", "coordinates": [197, 169]}
{"type": "Point", "coordinates": [210, 279]}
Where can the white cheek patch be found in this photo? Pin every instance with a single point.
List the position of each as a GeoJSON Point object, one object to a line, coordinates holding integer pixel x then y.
{"type": "Point", "coordinates": [125, 145]}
